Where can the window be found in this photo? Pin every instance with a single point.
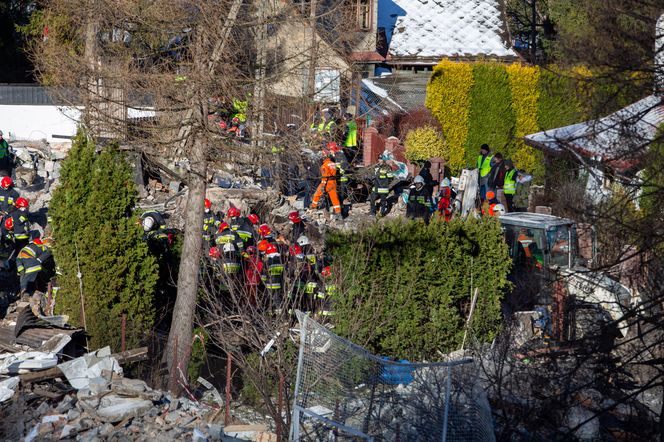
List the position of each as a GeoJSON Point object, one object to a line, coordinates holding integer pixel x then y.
{"type": "Point", "coordinates": [559, 244]}
{"type": "Point", "coordinates": [364, 14]}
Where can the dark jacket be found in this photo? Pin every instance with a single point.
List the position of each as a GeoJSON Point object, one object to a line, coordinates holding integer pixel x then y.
{"type": "Point", "coordinates": [497, 176]}
{"type": "Point", "coordinates": [429, 182]}
{"type": "Point", "coordinates": [419, 203]}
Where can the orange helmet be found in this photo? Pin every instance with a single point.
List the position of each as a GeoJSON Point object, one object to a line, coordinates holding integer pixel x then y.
{"type": "Point", "coordinates": [263, 245]}
{"type": "Point", "coordinates": [254, 218]}
{"type": "Point", "coordinates": [271, 248]}
{"type": "Point", "coordinates": [264, 230]}
{"type": "Point", "coordinates": [294, 217]}
{"type": "Point", "coordinates": [223, 226]}
{"type": "Point", "coordinates": [233, 212]}
{"type": "Point", "coordinates": [9, 223]}
{"type": "Point", "coordinates": [214, 252]}
{"type": "Point", "coordinates": [6, 182]}
{"type": "Point", "coordinates": [22, 202]}
{"type": "Point", "coordinates": [208, 203]}
{"type": "Point", "coordinates": [490, 195]}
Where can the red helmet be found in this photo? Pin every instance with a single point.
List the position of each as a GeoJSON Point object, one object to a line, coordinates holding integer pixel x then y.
{"type": "Point", "coordinates": [264, 230]}
{"type": "Point", "coordinates": [6, 182]}
{"type": "Point", "coordinates": [234, 212]}
{"type": "Point", "coordinates": [271, 248]}
{"type": "Point", "coordinates": [295, 250]}
{"type": "Point", "coordinates": [263, 245]}
{"type": "Point", "coordinates": [294, 217]}
{"type": "Point", "coordinates": [38, 241]}
{"type": "Point", "coordinates": [208, 203]}
{"type": "Point", "coordinates": [326, 272]}
{"type": "Point", "coordinates": [222, 125]}
{"type": "Point", "coordinates": [214, 252]}
{"type": "Point", "coordinates": [332, 147]}
{"type": "Point", "coordinates": [223, 226]}
{"type": "Point", "coordinates": [235, 120]}
{"type": "Point", "coordinates": [254, 218]}
{"type": "Point", "coordinates": [9, 223]}
{"type": "Point", "coordinates": [22, 202]}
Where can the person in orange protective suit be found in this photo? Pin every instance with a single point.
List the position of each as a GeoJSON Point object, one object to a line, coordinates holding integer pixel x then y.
{"type": "Point", "coordinates": [328, 184]}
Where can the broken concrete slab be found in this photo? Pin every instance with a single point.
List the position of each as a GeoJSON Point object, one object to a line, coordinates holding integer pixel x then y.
{"type": "Point", "coordinates": [23, 362]}
{"type": "Point", "coordinates": [55, 343]}
{"type": "Point", "coordinates": [113, 408]}
{"type": "Point", "coordinates": [8, 388]}
{"type": "Point", "coordinates": [79, 371]}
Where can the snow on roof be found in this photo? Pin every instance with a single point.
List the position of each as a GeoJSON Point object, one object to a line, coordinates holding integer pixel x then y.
{"type": "Point", "coordinates": [443, 28]}
{"type": "Point", "coordinates": [619, 139]}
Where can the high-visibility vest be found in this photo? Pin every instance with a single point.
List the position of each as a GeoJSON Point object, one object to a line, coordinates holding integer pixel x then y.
{"type": "Point", "coordinates": [509, 187]}
{"type": "Point", "coordinates": [484, 166]}
{"type": "Point", "coordinates": [351, 138]}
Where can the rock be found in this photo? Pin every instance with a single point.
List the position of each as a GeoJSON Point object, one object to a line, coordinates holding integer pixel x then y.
{"type": "Point", "coordinates": [172, 417]}
{"type": "Point", "coordinates": [113, 408]}
{"type": "Point", "coordinates": [73, 415]}
{"type": "Point", "coordinates": [160, 421]}
{"type": "Point", "coordinates": [106, 429]}
{"type": "Point", "coordinates": [98, 385]}
{"type": "Point", "coordinates": [89, 436]}
{"type": "Point", "coordinates": [69, 430]}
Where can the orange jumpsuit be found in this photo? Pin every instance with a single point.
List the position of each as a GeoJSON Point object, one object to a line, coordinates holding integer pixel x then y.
{"type": "Point", "coordinates": [328, 183]}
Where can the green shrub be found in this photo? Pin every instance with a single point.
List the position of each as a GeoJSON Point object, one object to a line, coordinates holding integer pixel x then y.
{"type": "Point", "coordinates": [95, 233]}
{"type": "Point", "coordinates": [405, 286]}
{"type": "Point", "coordinates": [424, 143]}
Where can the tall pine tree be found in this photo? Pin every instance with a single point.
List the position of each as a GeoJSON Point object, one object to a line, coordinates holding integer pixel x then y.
{"type": "Point", "coordinates": [95, 234]}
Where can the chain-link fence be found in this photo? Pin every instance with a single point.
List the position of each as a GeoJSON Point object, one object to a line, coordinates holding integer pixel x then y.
{"type": "Point", "coordinates": [344, 393]}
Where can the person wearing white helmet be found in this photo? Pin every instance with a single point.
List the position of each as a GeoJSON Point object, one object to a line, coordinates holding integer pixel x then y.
{"type": "Point", "coordinates": [498, 210]}
{"type": "Point", "coordinates": [419, 200]}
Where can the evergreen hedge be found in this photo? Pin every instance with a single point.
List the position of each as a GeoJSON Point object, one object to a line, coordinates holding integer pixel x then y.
{"type": "Point", "coordinates": [424, 143]}
{"type": "Point", "coordinates": [405, 286]}
{"type": "Point", "coordinates": [94, 231]}
{"type": "Point", "coordinates": [492, 118]}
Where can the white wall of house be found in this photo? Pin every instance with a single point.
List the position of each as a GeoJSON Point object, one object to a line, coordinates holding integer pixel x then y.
{"type": "Point", "coordinates": [33, 123]}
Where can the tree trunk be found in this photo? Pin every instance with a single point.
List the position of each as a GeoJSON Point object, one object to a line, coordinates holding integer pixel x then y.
{"type": "Point", "coordinates": [179, 338]}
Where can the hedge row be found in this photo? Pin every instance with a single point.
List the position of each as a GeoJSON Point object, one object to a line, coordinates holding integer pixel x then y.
{"type": "Point", "coordinates": [405, 286]}
{"type": "Point", "coordinates": [498, 104]}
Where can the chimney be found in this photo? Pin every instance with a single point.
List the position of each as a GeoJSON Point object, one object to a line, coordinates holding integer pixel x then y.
{"type": "Point", "coordinates": [659, 57]}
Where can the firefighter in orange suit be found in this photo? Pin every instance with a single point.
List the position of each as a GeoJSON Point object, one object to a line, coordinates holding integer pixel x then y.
{"type": "Point", "coordinates": [328, 183]}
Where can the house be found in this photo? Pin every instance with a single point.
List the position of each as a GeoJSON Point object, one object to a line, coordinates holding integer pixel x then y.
{"type": "Point", "coordinates": [611, 149]}
{"type": "Point", "coordinates": [414, 35]}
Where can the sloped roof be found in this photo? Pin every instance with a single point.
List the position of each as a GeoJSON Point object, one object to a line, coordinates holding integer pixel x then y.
{"type": "Point", "coordinates": [619, 139]}
{"type": "Point", "coordinates": [433, 29]}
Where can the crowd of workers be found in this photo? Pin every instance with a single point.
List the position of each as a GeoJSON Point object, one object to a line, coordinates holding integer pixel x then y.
{"type": "Point", "coordinates": [257, 260]}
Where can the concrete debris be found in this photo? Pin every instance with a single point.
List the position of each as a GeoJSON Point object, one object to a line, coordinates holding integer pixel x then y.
{"type": "Point", "coordinates": [8, 388]}
{"type": "Point", "coordinates": [22, 362]}
{"type": "Point", "coordinates": [56, 343]}
{"type": "Point", "coordinates": [81, 370]}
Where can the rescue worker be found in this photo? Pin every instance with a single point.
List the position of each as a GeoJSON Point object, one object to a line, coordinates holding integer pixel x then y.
{"type": "Point", "coordinates": [419, 201]}
{"type": "Point", "coordinates": [445, 200]}
{"type": "Point", "coordinates": [483, 169]}
{"type": "Point", "coordinates": [343, 168]}
{"type": "Point", "coordinates": [307, 249]}
{"type": "Point", "coordinates": [154, 233]}
{"type": "Point", "coordinates": [266, 234]}
{"type": "Point", "coordinates": [253, 268]}
{"type": "Point", "coordinates": [273, 276]}
{"type": "Point", "coordinates": [29, 264]}
{"type": "Point", "coordinates": [230, 260]}
{"type": "Point", "coordinates": [324, 307]}
{"type": "Point", "coordinates": [298, 228]}
{"type": "Point", "coordinates": [489, 203]}
{"type": "Point", "coordinates": [8, 250]}
{"type": "Point", "coordinates": [225, 235]}
{"type": "Point", "coordinates": [8, 195]}
{"type": "Point", "coordinates": [210, 223]}
{"type": "Point", "coordinates": [21, 223]}
{"type": "Point", "coordinates": [497, 176]}
{"type": "Point", "coordinates": [350, 138]}
{"type": "Point", "coordinates": [241, 225]}
{"type": "Point", "coordinates": [383, 176]}
{"type": "Point", "coordinates": [255, 223]}
{"type": "Point", "coordinates": [429, 182]}
{"type": "Point", "coordinates": [328, 185]}
{"type": "Point", "coordinates": [509, 185]}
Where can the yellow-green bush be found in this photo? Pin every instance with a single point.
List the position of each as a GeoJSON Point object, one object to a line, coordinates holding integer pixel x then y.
{"type": "Point", "coordinates": [448, 98]}
{"type": "Point", "coordinates": [525, 97]}
{"type": "Point", "coordinates": [424, 143]}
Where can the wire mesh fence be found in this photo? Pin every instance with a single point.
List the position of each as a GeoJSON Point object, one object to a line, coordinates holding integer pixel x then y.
{"type": "Point", "coordinates": [344, 393]}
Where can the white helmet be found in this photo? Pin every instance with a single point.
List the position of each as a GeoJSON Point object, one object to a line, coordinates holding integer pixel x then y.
{"type": "Point", "coordinates": [419, 179]}
{"type": "Point", "coordinates": [445, 183]}
{"type": "Point", "coordinates": [498, 210]}
{"type": "Point", "coordinates": [302, 241]}
{"type": "Point", "coordinates": [148, 223]}
{"type": "Point", "coordinates": [229, 247]}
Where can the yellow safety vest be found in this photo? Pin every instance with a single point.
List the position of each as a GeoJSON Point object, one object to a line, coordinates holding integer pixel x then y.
{"type": "Point", "coordinates": [484, 166]}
